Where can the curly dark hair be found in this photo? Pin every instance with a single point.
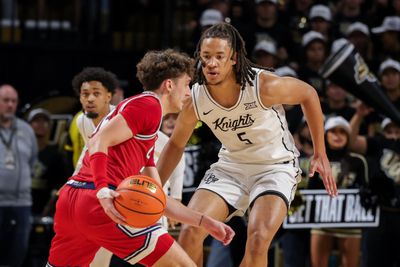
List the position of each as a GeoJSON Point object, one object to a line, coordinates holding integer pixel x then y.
{"type": "Point", "coordinates": [108, 79]}
{"type": "Point", "coordinates": [243, 68]}
{"type": "Point", "coordinates": [156, 66]}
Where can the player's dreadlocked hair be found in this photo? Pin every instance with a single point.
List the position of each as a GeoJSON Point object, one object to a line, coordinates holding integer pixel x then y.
{"type": "Point", "coordinates": [243, 67]}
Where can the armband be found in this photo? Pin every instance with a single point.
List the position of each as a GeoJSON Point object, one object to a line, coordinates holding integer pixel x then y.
{"type": "Point", "coordinates": [98, 165]}
{"type": "Point", "coordinates": [103, 193]}
{"type": "Point", "coordinates": [201, 219]}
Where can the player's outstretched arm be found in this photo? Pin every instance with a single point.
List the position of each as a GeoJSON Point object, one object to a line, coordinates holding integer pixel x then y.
{"type": "Point", "coordinates": [319, 162]}
{"type": "Point", "coordinates": [286, 90]}
{"type": "Point", "coordinates": [219, 230]}
{"type": "Point", "coordinates": [173, 150]}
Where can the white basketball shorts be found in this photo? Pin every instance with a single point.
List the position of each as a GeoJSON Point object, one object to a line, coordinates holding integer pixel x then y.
{"type": "Point", "coordinates": [240, 184]}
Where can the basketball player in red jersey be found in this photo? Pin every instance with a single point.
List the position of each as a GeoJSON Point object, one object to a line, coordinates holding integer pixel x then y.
{"type": "Point", "coordinates": [121, 146]}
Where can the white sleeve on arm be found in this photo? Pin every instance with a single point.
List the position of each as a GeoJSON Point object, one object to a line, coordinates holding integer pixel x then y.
{"type": "Point", "coordinates": [176, 180]}
{"type": "Point", "coordinates": [83, 122]}
{"type": "Point", "coordinates": [86, 127]}
{"type": "Point", "coordinates": [79, 124]}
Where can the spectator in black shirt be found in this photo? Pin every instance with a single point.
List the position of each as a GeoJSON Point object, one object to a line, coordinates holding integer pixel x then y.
{"type": "Point", "coordinates": [358, 34]}
{"type": "Point", "coordinates": [350, 170]}
{"type": "Point", "coordinates": [315, 53]}
{"type": "Point", "coordinates": [321, 21]}
{"type": "Point", "coordinates": [389, 43]}
{"type": "Point", "coordinates": [389, 72]}
{"type": "Point", "coordinates": [382, 244]}
{"type": "Point", "coordinates": [265, 54]}
{"type": "Point", "coordinates": [268, 26]}
{"type": "Point", "coordinates": [336, 102]}
{"type": "Point", "coordinates": [49, 172]}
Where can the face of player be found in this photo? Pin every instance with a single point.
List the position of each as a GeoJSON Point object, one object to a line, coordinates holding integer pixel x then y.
{"type": "Point", "coordinates": [177, 91]}
{"type": "Point", "coordinates": [8, 102]}
{"type": "Point", "coordinates": [95, 99]}
{"type": "Point", "coordinates": [337, 138]}
{"type": "Point", "coordinates": [216, 56]}
{"type": "Point", "coordinates": [168, 123]}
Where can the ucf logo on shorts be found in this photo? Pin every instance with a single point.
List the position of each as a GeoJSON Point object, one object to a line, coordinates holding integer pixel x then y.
{"type": "Point", "coordinates": [210, 178]}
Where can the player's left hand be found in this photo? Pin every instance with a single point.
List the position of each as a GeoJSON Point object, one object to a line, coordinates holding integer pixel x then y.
{"type": "Point", "coordinates": [218, 230]}
{"type": "Point", "coordinates": [106, 198]}
{"type": "Point", "coordinates": [320, 164]}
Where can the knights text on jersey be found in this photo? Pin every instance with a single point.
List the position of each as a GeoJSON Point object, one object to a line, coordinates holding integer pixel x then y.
{"type": "Point", "coordinates": [249, 132]}
{"type": "Point", "coordinates": [143, 115]}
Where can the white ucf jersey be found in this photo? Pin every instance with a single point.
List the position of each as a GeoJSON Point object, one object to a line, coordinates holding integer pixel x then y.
{"type": "Point", "coordinates": [86, 126]}
{"type": "Point", "coordinates": [86, 129]}
{"type": "Point", "coordinates": [250, 133]}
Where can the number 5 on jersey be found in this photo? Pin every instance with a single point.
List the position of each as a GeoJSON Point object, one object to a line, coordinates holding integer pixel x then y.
{"type": "Point", "coordinates": [243, 139]}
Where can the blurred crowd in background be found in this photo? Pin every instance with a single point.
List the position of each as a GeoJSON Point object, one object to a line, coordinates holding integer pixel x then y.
{"type": "Point", "coordinates": [45, 44]}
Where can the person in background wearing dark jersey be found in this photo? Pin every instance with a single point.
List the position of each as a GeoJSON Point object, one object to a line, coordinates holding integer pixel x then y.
{"type": "Point", "coordinates": [350, 170]}
{"type": "Point", "coordinates": [381, 245]}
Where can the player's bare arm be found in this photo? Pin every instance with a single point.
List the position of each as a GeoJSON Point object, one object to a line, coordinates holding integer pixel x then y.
{"type": "Point", "coordinates": [219, 230]}
{"type": "Point", "coordinates": [175, 147]}
{"type": "Point", "coordinates": [100, 142]}
{"type": "Point", "coordinates": [177, 211]}
{"type": "Point", "coordinates": [276, 90]}
{"type": "Point", "coordinates": [152, 172]}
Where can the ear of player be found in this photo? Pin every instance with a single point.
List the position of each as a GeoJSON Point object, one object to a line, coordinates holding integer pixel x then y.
{"type": "Point", "coordinates": [142, 201]}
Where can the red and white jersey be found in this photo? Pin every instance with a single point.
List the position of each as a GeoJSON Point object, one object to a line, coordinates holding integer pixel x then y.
{"type": "Point", "coordinates": [143, 114]}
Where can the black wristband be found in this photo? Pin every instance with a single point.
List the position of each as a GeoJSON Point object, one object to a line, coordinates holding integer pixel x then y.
{"type": "Point", "coordinates": [201, 219]}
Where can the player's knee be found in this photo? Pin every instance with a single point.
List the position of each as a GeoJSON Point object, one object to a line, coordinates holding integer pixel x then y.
{"type": "Point", "coordinates": [259, 241]}
{"type": "Point", "coordinates": [192, 233]}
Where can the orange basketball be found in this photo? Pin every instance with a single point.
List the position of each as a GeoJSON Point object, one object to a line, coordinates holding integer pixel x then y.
{"type": "Point", "coordinates": [141, 201]}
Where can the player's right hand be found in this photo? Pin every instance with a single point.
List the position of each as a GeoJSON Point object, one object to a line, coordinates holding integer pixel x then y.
{"type": "Point", "coordinates": [218, 230]}
{"type": "Point", "coordinates": [320, 164]}
{"type": "Point", "coordinates": [106, 198]}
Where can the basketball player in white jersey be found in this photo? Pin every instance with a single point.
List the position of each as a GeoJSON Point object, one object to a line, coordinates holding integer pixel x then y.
{"type": "Point", "coordinates": [95, 87]}
{"type": "Point", "coordinates": [257, 164]}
